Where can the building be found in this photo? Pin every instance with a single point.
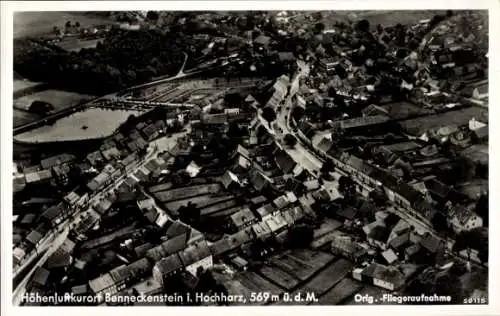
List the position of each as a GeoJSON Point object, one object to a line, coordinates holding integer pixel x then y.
{"type": "Point", "coordinates": [242, 219]}
{"type": "Point", "coordinates": [103, 285]}
{"type": "Point", "coordinates": [462, 219]}
{"type": "Point", "coordinates": [197, 256]}
{"type": "Point", "coordinates": [345, 246]}
{"type": "Point", "coordinates": [125, 275]}
{"type": "Point", "coordinates": [389, 278]}
{"type": "Point", "coordinates": [51, 162]}
{"type": "Point", "coordinates": [38, 177]}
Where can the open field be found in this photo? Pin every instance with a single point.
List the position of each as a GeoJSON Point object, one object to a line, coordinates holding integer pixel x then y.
{"type": "Point", "coordinates": [22, 117]}
{"type": "Point", "coordinates": [91, 123]}
{"type": "Point", "coordinates": [75, 44]}
{"type": "Point", "coordinates": [40, 23]}
{"type": "Point", "coordinates": [58, 98]}
{"type": "Point", "coordinates": [384, 17]}
{"type": "Point", "coordinates": [421, 125]}
{"type": "Point", "coordinates": [24, 84]}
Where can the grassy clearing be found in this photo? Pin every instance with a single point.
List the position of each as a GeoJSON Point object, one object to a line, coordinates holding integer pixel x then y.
{"type": "Point", "coordinates": [41, 23]}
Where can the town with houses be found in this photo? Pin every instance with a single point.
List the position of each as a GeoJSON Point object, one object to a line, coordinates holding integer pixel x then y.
{"type": "Point", "coordinates": [310, 158]}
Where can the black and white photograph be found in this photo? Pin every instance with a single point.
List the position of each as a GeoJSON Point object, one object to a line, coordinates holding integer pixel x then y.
{"type": "Point", "coordinates": [248, 157]}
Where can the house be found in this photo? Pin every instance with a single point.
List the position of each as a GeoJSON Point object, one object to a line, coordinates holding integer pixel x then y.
{"type": "Point", "coordinates": [197, 256]}
{"type": "Point", "coordinates": [38, 176]}
{"type": "Point", "coordinates": [259, 180]}
{"type": "Point", "coordinates": [284, 161]}
{"type": "Point", "coordinates": [230, 181]}
{"type": "Point", "coordinates": [264, 212]}
{"type": "Point", "coordinates": [258, 200]}
{"type": "Point", "coordinates": [480, 134]}
{"type": "Point", "coordinates": [431, 246]}
{"type": "Point", "coordinates": [261, 230]}
{"type": "Point", "coordinates": [62, 256]}
{"type": "Point", "coordinates": [40, 277]}
{"type": "Point", "coordinates": [378, 236]}
{"type": "Point", "coordinates": [34, 238]}
{"type": "Point", "coordinates": [148, 287]}
{"type": "Point", "coordinates": [54, 214]}
{"type": "Point", "coordinates": [347, 247]}
{"type": "Point", "coordinates": [390, 256]}
{"type": "Point", "coordinates": [150, 132]}
{"type": "Point", "coordinates": [242, 219]}
{"type": "Point", "coordinates": [95, 158]}
{"type": "Point", "coordinates": [51, 162]}
{"type": "Point", "coordinates": [281, 202]}
{"type": "Point", "coordinates": [389, 278]}
{"type": "Point", "coordinates": [242, 164]}
{"type": "Point", "coordinates": [276, 223]}
{"type": "Point", "coordinates": [462, 219]}
{"type": "Point", "coordinates": [103, 285]}
{"type": "Point", "coordinates": [411, 251]}
{"type": "Point", "coordinates": [262, 40]}
{"type": "Point", "coordinates": [111, 154]}
{"type": "Point", "coordinates": [129, 274]}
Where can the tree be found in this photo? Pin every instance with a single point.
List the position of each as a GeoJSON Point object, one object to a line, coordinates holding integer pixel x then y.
{"type": "Point", "coordinates": [301, 236]}
{"type": "Point", "coordinates": [482, 208]}
{"type": "Point", "coordinates": [68, 24]}
{"type": "Point", "coordinates": [297, 113]}
{"type": "Point", "coordinates": [327, 167]}
{"type": "Point", "coordinates": [476, 238]}
{"type": "Point", "coordinates": [290, 140]}
{"type": "Point", "coordinates": [190, 213]}
{"type": "Point", "coordinates": [152, 15]}
{"type": "Point", "coordinates": [439, 222]}
{"type": "Point", "coordinates": [40, 107]}
{"type": "Point", "coordinates": [269, 114]}
{"type": "Point", "coordinates": [347, 187]}
{"type": "Point", "coordinates": [363, 26]}
{"type": "Point", "coordinates": [77, 24]}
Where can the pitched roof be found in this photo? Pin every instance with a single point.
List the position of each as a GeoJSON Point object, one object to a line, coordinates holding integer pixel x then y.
{"type": "Point", "coordinates": [169, 264]}
{"type": "Point", "coordinates": [348, 212]}
{"type": "Point", "coordinates": [400, 241]}
{"type": "Point", "coordinates": [34, 237]}
{"type": "Point", "coordinates": [262, 40]}
{"type": "Point", "coordinates": [388, 274]}
{"type": "Point", "coordinates": [430, 243]}
{"type": "Point", "coordinates": [195, 253]}
{"type": "Point", "coordinates": [177, 228]}
{"type": "Point", "coordinates": [390, 256]}
{"type": "Point", "coordinates": [242, 217]}
{"type": "Point", "coordinates": [284, 161]}
{"type": "Point", "coordinates": [41, 276]}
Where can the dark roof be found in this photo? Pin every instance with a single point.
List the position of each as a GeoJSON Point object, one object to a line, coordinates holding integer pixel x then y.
{"type": "Point", "coordinates": [348, 212]}
{"type": "Point", "coordinates": [141, 250]}
{"type": "Point", "coordinates": [177, 228]}
{"type": "Point", "coordinates": [41, 276]}
{"type": "Point", "coordinates": [380, 233]}
{"type": "Point", "coordinates": [400, 241]}
{"type": "Point", "coordinates": [258, 199]}
{"type": "Point", "coordinates": [481, 133]}
{"type": "Point", "coordinates": [284, 161]}
{"type": "Point", "coordinates": [285, 56]}
{"type": "Point", "coordinates": [169, 264]}
{"type": "Point", "coordinates": [52, 212]}
{"type": "Point", "coordinates": [391, 220]}
{"type": "Point", "coordinates": [132, 271]}
{"type": "Point", "coordinates": [34, 237]}
{"type": "Point", "coordinates": [430, 243]}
